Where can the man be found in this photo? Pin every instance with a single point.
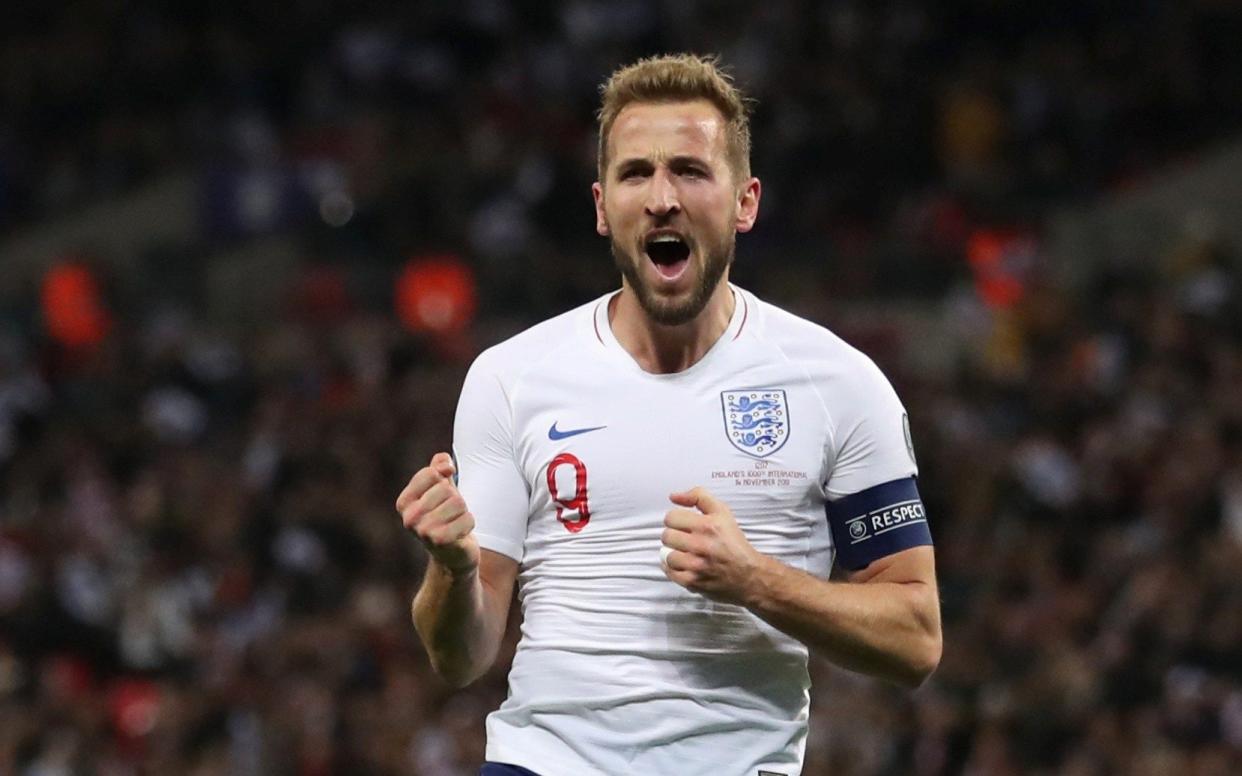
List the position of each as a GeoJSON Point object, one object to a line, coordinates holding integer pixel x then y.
{"type": "Point", "coordinates": [654, 469]}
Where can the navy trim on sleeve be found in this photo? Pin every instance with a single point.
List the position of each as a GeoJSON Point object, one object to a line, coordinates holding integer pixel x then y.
{"type": "Point", "coordinates": [876, 522]}
{"type": "Point", "coordinates": [504, 769]}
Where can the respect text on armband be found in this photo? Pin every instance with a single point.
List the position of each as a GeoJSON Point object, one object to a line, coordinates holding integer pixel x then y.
{"type": "Point", "coordinates": [886, 519]}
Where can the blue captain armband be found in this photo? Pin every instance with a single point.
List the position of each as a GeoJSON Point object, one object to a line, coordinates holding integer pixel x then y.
{"type": "Point", "coordinates": [876, 522]}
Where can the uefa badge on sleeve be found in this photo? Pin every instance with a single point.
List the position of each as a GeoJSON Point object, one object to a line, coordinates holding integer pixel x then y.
{"type": "Point", "coordinates": [756, 421]}
{"type": "Point", "coordinates": [905, 427]}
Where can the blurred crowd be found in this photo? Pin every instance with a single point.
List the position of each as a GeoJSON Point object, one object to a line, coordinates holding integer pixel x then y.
{"type": "Point", "coordinates": [201, 570]}
{"type": "Point", "coordinates": [885, 130]}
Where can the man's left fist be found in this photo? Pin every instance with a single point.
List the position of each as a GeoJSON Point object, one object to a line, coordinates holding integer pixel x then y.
{"type": "Point", "coordinates": [709, 554]}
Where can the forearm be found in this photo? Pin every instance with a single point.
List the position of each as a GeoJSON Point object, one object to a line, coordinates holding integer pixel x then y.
{"type": "Point", "coordinates": [459, 629]}
{"type": "Point", "coordinates": [890, 630]}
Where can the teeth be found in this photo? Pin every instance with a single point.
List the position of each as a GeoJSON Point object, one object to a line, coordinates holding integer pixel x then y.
{"type": "Point", "coordinates": [665, 238]}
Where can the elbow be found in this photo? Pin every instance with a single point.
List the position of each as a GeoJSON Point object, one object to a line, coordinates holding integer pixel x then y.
{"type": "Point", "coordinates": [454, 664]}
{"type": "Point", "coordinates": [927, 647]}
{"type": "Point", "coordinates": [456, 674]}
{"type": "Point", "coordinates": [922, 661]}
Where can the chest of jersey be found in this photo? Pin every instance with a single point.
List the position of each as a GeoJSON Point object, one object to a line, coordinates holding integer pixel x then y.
{"type": "Point", "coordinates": [601, 453]}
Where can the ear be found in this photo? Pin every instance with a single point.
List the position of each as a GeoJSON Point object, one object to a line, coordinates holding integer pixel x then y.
{"type": "Point", "coordinates": [748, 205]}
{"type": "Point", "coordinates": [601, 220]}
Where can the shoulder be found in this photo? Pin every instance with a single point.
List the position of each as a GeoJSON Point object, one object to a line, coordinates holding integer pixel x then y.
{"type": "Point", "coordinates": [512, 358]}
{"type": "Point", "coordinates": [820, 351]}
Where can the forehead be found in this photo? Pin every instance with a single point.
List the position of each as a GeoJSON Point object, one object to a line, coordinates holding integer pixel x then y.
{"type": "Point", "coordinates": [650, 130]}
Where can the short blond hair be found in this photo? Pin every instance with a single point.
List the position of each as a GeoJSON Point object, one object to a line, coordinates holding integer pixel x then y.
{"type": "Point", "coordinates": [678, 78]}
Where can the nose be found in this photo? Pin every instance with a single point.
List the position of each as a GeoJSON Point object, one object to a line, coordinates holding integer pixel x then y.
{"type": "Point", "coordinates": [662, 194]}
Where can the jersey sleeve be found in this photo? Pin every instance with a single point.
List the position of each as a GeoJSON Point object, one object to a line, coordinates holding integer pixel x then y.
{"type": "Point", "coordinates": [488, 474]}
{"type": "Point", "coordinates": [874, 508]}
{"type": "Point", "coordinates": [870, 438]}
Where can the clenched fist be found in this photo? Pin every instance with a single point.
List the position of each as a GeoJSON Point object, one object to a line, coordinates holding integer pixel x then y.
{"type": "Point", "coordinates": [709, 554]}
{"type": "Point", "coordinates": [433, 510]}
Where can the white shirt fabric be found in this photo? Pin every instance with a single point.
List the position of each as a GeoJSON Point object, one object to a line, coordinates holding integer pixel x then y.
{"type": "Point", "coordinates": [619, 670]}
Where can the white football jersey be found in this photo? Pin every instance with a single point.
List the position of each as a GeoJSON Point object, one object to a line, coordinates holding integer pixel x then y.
{"type": "Point", "coordinates": [567, 452]}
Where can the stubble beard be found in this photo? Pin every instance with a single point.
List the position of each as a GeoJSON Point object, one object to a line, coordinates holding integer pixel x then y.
{"type": "Point", "coordinates": [674, 311]}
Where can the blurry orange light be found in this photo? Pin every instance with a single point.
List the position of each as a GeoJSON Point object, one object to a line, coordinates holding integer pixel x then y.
{"type": "Point", "coordinates": [436, 294]}
{"type": "Point", "coordinates": [72, 308]}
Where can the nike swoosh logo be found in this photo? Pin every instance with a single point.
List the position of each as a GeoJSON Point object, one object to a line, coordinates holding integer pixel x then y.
{"type": "Point", "coordinates": [554, 433]}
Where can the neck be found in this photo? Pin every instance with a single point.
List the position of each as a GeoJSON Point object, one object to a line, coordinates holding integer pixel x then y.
{"type": "Point", "coordinates": [661, 349]}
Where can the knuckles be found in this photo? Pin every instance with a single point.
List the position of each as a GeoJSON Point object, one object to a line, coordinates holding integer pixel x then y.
{"type": "Point", "coordinates": [688, 566]}
{"type": "Point", "coordinates": [412, 515]}
{"type": "Point", "coordinates": [411, 493]}
{"type": "Point", "coordinates": [670, 515]}
{"type": "Point", "coordinates": [417, 502]}
{"type": "Point", "coordinates": [443, 532]}
{"type": "Point", "coordinates": [434, 534]}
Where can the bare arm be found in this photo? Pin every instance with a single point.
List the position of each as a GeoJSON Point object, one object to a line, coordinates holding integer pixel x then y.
{"type": "Point", "coordinates": [461, 609]}
{"type": "Point", "coordinates": [460, 616]}
{"type": "Point", "coordinates": [883, 621]}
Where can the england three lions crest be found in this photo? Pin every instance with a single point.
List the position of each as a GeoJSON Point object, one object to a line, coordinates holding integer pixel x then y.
{"type": "Point", "coordinates": [756, 421]}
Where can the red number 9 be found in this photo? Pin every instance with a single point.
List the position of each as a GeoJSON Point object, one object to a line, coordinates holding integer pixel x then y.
{"type": "Point", "coordinates": [579, 502]}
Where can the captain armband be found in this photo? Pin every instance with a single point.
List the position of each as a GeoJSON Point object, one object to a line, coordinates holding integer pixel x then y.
{"type": "Point", "coordinates": [877, 522]}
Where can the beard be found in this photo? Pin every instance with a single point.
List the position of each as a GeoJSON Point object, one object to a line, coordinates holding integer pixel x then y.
{"type": "Point", "coordinates": [675, 311]}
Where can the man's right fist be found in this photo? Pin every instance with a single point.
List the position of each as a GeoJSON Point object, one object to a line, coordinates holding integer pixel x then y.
{"type": "Point", "coordinates": [433, 510]}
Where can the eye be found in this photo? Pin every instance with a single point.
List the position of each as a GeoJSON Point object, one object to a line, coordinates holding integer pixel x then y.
{"type": "Point", "coordinates": [692, 171]}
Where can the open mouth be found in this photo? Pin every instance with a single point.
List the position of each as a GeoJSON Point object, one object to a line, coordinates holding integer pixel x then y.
{"type": "Point", "coordinates": [669, 253]}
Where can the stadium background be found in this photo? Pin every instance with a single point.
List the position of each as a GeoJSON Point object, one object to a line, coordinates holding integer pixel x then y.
{"type": "Point", "coordinates": [246, 253]}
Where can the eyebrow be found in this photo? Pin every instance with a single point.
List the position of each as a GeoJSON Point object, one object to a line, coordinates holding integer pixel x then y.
{"type": "Point", "coordinates": [635, 163]}
{"type": "Point", "coordinates": [687, 160]}
{"type": "Point", "coordinates": [674, 162]}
